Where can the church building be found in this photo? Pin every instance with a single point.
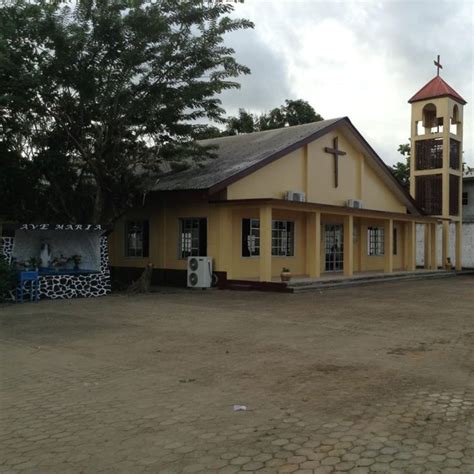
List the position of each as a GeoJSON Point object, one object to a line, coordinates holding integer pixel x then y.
{"type": "Point", "coordinates": [315, 199]}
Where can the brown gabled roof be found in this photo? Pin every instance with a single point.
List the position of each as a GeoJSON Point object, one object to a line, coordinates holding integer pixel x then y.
{"type": "Point", "coordinates": [240, 155]}
{"type": "Point", "coordinates": [437, 87]}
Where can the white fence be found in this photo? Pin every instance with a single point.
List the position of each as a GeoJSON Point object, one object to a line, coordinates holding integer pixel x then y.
{"type": "Point", "coordinates": [467, 244]}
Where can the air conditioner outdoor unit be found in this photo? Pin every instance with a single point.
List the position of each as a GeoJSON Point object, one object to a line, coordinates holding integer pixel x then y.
{"type": "Point", "coordinates": [355, 203]}
{"type": "Point", "coordinates": [199, 272]}
{"type": "Point", "coordinates": [295, 196]}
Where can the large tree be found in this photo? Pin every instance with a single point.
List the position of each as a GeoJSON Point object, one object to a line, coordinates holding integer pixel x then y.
{"type": "Point", "coordinates": [96, 94]}
{"type": "Point", "coordinates": [292, 112]}
{"type": "Point", "coordinates": [401, 169]}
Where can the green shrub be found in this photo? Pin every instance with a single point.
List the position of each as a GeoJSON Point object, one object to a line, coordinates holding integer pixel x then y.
{"type": "Point", "coordinates": [7, 280]}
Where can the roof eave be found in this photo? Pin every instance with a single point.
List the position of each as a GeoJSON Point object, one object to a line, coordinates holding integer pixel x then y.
{"type": "Point", "coordinates": [455, 98]}
{"type": "Point", "coordinates": [329, 208]}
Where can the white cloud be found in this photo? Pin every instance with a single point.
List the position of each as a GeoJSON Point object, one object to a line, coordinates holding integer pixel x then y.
{"type": "Point", "coordinates": [360, 59]}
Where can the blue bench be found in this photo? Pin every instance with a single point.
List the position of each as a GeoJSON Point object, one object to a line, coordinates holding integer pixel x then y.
{"type": "Point", "coordinates": [28, 282]}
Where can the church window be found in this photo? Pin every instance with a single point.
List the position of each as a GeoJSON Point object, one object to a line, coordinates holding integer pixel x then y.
{"type": "Point", "coordinates": [283, 238]}
{"type": "Point", "coordinates": [376, 241]}
{"type": "Point", "coordinates": [136, 238]}
{"type": "Point", "coordinates": [395, 243]}
{"type": "Point", "coordinates": [193, 237]}
{"type": "Point", "coordinates": [250, 237]}
{"type": "Point", "coordinates": [465, 199]}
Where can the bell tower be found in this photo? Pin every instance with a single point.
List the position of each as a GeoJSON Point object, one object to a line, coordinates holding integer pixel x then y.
{"type": "Point", "coordinates": [436, 157]}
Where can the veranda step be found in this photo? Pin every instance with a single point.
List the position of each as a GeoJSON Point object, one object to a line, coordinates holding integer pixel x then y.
{"type": "Point", "coordinates": [299, 287]}
{"type": "Point", "coordinates": [369, 277]}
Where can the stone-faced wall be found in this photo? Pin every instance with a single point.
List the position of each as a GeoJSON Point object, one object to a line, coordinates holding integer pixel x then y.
{"type": "Point", "coordinates": [6, 248]}
{"type": "Point", "coordinates": [86, 286]}
{"type": "Point", "coordinates": [69, 286]}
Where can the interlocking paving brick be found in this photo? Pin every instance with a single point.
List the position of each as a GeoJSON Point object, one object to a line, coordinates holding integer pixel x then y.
{"type": "Point", "coordinates": [79, 401]}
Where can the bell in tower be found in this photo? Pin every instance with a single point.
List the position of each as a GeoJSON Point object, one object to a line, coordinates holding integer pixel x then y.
{"type": "Point", "coordinates": [436, 157]}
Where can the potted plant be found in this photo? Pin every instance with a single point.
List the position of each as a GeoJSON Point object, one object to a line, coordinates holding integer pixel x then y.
{"type": "Point", "coordinates": [34, 263]}
{"type": "Point", "coordinates": [23, 265]}
{"type": "Point", "coordinates": [76, 259]}
{"type": "Point", "coordinates": [58, 262]}
{"type": "Point", "coordinates": [285, 274]}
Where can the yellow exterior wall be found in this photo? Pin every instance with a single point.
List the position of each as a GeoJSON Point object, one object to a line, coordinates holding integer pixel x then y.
{"type": "Point", "coordinates": [164, 229]}
{"type": "Point", "coordinates": [321, 172]}
{"type": "Point", "coordinates": [285, 174]}
{"type": "Point", "coordinates": [311, 170]}
{"type": "Point", "coordinates": [444, 109]}
{"type": "Point", "coordinates": [376, 263]}
{"type": "Point", "coordinates": [248, 267]}
{"type": "Point", "coordinates": [374, 198]}
{"type": "Point", "coordinates": [117, 243]}
{"type": "Point", "coordinates": [242, 267]}
{"type": "Point", "coordinates": [224, 240]}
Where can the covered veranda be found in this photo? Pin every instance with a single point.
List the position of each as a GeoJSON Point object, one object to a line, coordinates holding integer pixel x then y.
{"type": "Point", "coordinates": [313, 258]}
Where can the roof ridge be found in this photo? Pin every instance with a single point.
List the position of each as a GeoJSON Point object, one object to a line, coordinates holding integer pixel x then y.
{"type": "Point", "coordinates": [246, 134]}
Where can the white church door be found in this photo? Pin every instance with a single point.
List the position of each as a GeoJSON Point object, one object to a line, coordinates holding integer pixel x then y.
{"type": "Point", "coordinates": [334, 247]}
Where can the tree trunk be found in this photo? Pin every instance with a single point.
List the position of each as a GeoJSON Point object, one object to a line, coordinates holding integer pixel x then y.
{"type": "Point", "coordinates": [98, 211]}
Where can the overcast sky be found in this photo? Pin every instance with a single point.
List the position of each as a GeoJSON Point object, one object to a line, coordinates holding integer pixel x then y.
{"type": "Point", "coordinates": [360, 59]}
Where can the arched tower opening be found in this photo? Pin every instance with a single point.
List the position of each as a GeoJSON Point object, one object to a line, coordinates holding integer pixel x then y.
{"type": "Point", "coordinates": [431, 123]}
{"type": "Point", "coordinates": [455, 120]}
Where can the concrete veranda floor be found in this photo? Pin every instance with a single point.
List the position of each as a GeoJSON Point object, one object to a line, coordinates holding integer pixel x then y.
{"type": "Point", "coordinates": [374, 378]}
{"type": "Point", "coordinates": [380, 275]}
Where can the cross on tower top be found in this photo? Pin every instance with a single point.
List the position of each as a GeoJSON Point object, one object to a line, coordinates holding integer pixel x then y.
{"type": "Point", "coordinates": [438, 65]}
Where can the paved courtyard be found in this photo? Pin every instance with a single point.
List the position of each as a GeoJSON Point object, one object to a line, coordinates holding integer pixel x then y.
{"type": "Point", "coordinates": [375, 378]}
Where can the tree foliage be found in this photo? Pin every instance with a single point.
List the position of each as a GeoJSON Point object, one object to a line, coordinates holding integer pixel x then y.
{"type": "Point", "coordinates": [96, 94]}
{"type": "Point", "coordinates": [401, 169]}
{"type": "Point", "coordinates": [245, 122]}
{"type": "Point", "coordinates": [7, 280]}
{"type": "Point", "coordinates": [293, 112]}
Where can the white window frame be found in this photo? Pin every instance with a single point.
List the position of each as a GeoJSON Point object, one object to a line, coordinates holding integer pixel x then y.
{"type": "Point", "coordinates": [136, 250]}
{"type": "Point", "coordinates": [253, 238]}
{"type": "Point", "coordinates": [183, 239]}
{"type": "Point", "coordinates": [280, 237]}
{"type": "Point", "coordinates": [376, 241]}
